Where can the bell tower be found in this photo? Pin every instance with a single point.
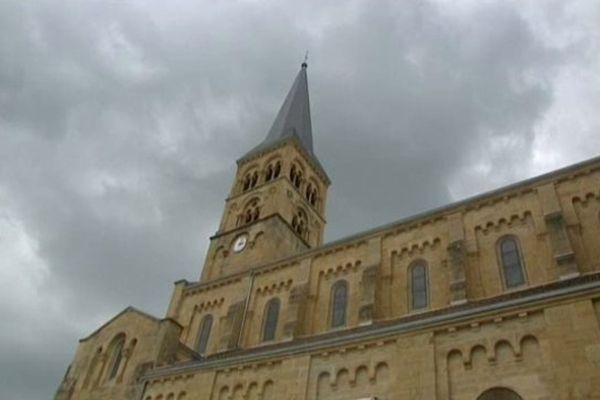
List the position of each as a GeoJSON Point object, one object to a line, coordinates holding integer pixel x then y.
{"type": "Point", "coordinates": [276, 206]}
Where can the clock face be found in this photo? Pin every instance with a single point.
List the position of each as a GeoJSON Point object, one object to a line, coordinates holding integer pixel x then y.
{"type": "Point", "coordinates": [240, 243]}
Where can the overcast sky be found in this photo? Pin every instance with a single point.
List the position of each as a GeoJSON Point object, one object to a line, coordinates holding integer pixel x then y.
{"type": "Point", "coordinates": [120, 124]}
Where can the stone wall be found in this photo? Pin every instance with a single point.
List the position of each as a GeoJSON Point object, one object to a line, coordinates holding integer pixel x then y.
{"type": "Point", "coordinates": [555, 221]}
{"type": "Point", "coordinates": [546, 348]}
{"type": "Point", "coordinates": [550, 351]}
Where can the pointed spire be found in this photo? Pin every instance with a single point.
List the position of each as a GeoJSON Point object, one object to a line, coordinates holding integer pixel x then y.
{"type": "Point", "coordinates": [294, 115]}
{"type": "Point", "coordinates": [292, 120]}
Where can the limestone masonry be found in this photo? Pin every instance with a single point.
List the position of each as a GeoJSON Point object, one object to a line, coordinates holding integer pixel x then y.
{"type": "Point", "coordinates": [494, 297]}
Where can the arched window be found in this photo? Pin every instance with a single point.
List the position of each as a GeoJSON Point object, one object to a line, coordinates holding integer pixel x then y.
{"type": "Point", "coordinates": [277, 169]}
{"type": "Point", "coordinates": [313, 197]}
{"type": "Point", "coordinates": [512, 267]}
{"type": "Point", "coordinates": [271, 317]}
{"type": "Point", "coordinates": [293, 173]}
{"type": "Point", "coordinates": [418, 285]}
{"type": "Point", "coordinates": [339, 302]}
{"type": "Point", "coordinates": [273, 171]}
{"type": "Point", "coordinates": [296, 176]}
{"type": "Point", "coordinates": [300, 224]}
{"type": "Point", "coordinates": [250, 180]}
{"type": "Point", "coordinates": [204, 334]}
{"type": "Point", "coordinates": [117, 356]}
{"type": "Point", "coordinates": [250, 214]}
{"type": "Point", "coordinates": [311, 194]}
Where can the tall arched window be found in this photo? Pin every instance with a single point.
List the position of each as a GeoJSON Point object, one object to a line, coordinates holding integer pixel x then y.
{"type": "Point", "coordinates": [512, 267]}
{"type": "Point", "coordinates": [339, 303]}
{"type": "Point", "coordinates": [418, 285]}
{"type": "Point", "coordinates": [271, 317]}
{"type": "Point", "coordinates": [117, 356]}
{"type": "Point", "coordinates": [250, 180]}
{"type": "Point", "coordinates": [204, 334]}
{"type": "Point", "coordinates": [273, 170]}
{"type": "Point", "coordinates": [296, 176]}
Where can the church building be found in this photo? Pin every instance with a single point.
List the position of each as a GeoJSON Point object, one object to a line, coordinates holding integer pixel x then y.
{"type": "Point", "coordinates": [496, 297]}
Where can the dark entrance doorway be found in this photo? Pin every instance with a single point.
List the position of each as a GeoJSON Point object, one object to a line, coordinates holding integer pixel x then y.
{"type": "Point", "coordinates": [499, 394]}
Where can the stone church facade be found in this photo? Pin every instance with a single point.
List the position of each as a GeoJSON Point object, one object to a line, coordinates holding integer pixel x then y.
{"type": "Point", "coordinates": [493, 297]}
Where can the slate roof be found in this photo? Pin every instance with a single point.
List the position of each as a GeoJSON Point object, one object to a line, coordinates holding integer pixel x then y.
{"type": "Point", "coordinates": [292, 120]}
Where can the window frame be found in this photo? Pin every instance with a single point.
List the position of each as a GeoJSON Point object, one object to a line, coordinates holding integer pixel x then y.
{"type": "Point", "coordinates": [117, 349]}
{"type": "Point", "coordinates": [297, 175]}
{"type": "Point", "coordinates": [500, 259]}
{"type": "Point", "coordinates": [274, 302]}
{"type": "Point", "coordinates": [339, 283]}
{"type": "Point", "coordinates": [411, 290]}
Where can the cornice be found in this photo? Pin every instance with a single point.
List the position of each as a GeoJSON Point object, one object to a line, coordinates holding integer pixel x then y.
{"type": "Point", "coordinates": [432, 320]}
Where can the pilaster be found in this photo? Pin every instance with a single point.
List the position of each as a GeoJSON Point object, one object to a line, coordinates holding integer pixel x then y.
{"type": "Point", "coordinates": [296, 309]}
{"type": "Point", "coordinates": [562, 249]}
{"type": "Point", "coordinates": [232, 323]}
{"type": "Point", "coordinates": [457, 258]}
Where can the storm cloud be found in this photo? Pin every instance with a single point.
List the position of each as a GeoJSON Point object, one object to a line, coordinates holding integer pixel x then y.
{"type": "Point", "coordinates": [120, 124]}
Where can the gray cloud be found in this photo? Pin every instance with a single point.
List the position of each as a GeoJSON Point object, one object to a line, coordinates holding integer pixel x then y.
{"type": "Point", "coordinates": [120, 123]}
